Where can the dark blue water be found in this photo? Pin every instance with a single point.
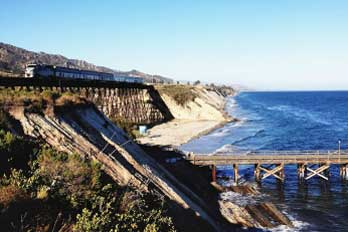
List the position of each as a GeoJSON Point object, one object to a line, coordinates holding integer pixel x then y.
{"type": "Point", "coordinates": [290, 121]}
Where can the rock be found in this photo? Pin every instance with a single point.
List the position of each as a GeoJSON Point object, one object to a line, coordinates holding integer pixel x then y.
{"type": "Point", "coordinates": [86, 131]}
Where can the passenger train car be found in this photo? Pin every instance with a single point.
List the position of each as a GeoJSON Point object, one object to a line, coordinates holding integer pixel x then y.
{"type": "Point", "coordinates": [51, 71]}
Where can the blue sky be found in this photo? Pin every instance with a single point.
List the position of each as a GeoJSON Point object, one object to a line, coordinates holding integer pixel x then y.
{"type": "Point", "coordinates": [266, 44]}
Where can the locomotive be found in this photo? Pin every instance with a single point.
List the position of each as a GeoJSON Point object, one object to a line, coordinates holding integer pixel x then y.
{"type": "Point", "coordinates": [52, 71]}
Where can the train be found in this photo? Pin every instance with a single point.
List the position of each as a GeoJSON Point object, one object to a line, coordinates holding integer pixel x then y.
{"type": "Point", "coordinates": [52, 71]}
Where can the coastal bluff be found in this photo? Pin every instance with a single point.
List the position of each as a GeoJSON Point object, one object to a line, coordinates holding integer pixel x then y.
{"type": "Point", "coordinates": [75, 125]}
{"type": "Point", "coordinates": [83, 129]}
{"type": "Point", "coordinates": [196, 111]}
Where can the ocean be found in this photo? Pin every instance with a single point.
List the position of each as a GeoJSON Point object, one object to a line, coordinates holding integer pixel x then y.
{"type": "Point", "coordinates": [288, 121]}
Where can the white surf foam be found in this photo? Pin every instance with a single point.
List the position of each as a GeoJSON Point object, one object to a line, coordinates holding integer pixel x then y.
{"type": "Point", "coordinates": [225, 149]}
{"type": "Point", "coordinates": [298, 226]}
{"type": "Point", "coordinates": [241, 200]}
{"type": "Point", "coordinates": [300, 113]}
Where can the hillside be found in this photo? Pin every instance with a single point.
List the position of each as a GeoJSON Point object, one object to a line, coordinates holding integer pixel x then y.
{"type": "Point", "coordinates": [72, 125]}
{"type": "Point", "coordinates": [13, 59]}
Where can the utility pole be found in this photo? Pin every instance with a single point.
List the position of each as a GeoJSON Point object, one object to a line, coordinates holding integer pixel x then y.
{"type": "Point", "coordinates": [339, 151]}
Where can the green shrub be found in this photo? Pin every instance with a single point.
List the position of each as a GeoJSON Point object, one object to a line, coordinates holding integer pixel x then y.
{"type": "Point", "coordinates": [15, 151]}
{"type": "Point", "coordinates": [126, 126]}
{"type": "Point", "coordinates": [69, 176]}
{"type": "Point", "coordinates": [138, 216]}
{"type": "Point", "coordinates": [65, 191]}
{"type": "Point", "coordinates": [181, 94]}
{"type": "Point", "coordinates": [5, 120]}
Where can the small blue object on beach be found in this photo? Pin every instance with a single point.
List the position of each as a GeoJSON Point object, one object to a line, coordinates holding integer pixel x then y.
{"type": "Point", "coordinates": [142, 129]}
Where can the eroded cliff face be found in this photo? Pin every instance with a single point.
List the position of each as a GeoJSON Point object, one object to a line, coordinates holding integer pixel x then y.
{"type": "Point", "coordinates": [196, 111]}
{"type": "Point", "coordinates": [208, 104]}
{"type": "Point", "coordinates": [86, 131]}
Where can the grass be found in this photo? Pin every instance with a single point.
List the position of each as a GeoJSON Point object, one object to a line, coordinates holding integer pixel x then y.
{"type": "Point", "coordinates": [48, 102]}
{"type": "Point", "coordinates": [181, 94]}
{"type": "Point", "coordinates": [38, 101]}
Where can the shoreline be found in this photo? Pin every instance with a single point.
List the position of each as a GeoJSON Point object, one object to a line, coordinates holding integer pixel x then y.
{"type": "Point", "coordinates": [181, 131]}
{"type": "Point", "coordinates": [199, 178]}
{"type": "Point", "coordinates": [228, 119]}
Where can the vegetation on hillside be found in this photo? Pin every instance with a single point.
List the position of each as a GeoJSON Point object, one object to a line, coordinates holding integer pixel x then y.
{"type": "Point", "coordinates": [129, 127]}
{"type": "Point", "coordinates": [222, 89]}
{"type": "Point", "coordinates": [45, 190]}
{"type": "Point", "coordinates": [38, 101]}
{"type": "Point", "coordinates": [181, 94]}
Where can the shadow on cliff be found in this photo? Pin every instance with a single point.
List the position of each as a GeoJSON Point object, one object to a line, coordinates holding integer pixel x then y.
{"type": "Point", "coordinates": [160, 104]}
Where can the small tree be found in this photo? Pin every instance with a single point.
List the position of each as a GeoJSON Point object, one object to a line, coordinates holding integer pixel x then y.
{"type": "Point", "coordinates": [198, 82]}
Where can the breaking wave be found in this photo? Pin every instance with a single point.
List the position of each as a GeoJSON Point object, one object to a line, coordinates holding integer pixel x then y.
{"type": "Point", "coordinates": [298, 226]}
{"type": "Point", "coordinates": [227, 148]}
{"type": "Point", "coordinates": [257, 133]}
{"type": "Point", "coordinates": [287, 121]}
{"type": "Point", "coordinates": [300, 113]}
{"type": "Point", "coordinates": [241, 200]}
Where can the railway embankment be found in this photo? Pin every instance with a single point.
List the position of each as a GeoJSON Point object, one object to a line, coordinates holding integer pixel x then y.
{"type": "Point", "coordinates": [133, 102]}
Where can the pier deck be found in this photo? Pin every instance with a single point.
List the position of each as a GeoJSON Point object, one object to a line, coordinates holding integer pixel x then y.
{"type": "Point", "coordinates": [271, 163]}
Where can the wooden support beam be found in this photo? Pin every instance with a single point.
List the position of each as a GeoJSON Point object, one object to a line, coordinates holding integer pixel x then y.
{"type": "Point", "coordinates": [235, 174]}
{"type": "Point", "coordinates": [276, 172]}
{"type": "Point", "coordinates": [213, 173]}
{"type": "Point", "coordinates": [282, 172]}
{"type": "Point", "coordinates": [318, 172]}
{"type": "Point", "coordinates": [257, 172]}
{"type": "Point", "coordinates": [343, 171]}
{"type": "Point", "coordinates": [301, 171]}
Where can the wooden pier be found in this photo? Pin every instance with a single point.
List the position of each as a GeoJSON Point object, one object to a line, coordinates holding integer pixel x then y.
{"type": "Point", "coordinates": [271, 163]}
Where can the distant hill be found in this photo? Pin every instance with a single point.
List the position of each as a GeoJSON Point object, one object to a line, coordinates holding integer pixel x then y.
{"type": "Point", "coordinates": [13, 59]}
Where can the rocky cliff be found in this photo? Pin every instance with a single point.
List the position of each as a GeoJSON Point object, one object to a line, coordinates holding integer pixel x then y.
{"type": "Point", "coordinates": [205, 103]}
{"type": "Point", "coordinates": [86, 131]}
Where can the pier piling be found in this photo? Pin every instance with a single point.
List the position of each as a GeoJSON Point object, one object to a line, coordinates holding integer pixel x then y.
{"type": "Point", "coordinates": [213, 173]}
{"type": "Point", "coordinates": [235, 172]}
{"type": "Point", "coordinates": [343, 171]}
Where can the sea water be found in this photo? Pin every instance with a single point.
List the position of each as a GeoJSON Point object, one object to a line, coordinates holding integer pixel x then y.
{"type": "Point", "coordinates": [288, 121]}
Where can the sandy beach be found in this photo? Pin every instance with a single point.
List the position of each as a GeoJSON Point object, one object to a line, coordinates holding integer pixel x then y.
{"type": "Point", "coordinates": [178, 132]}
{"type": "Point", "coordinates": [196, 118]}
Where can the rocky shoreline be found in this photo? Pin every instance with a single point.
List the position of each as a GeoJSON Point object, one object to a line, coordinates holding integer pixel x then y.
{"type": "Point", "coordinates": [256, 215]}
